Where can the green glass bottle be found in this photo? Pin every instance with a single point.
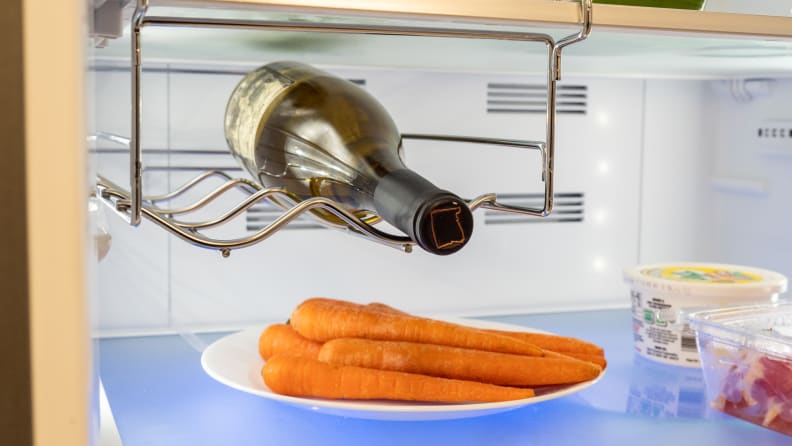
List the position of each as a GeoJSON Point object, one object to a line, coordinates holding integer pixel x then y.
{"type": "Point", "coordinates": [294, 126]}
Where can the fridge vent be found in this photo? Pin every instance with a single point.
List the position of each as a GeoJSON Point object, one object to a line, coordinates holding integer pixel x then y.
{"type": "Point", "coordinates": [260, 215]}
{"type": "Point", "coordinates": [568, 208]}
{"type": "Point", "coordinates": [532, 98]}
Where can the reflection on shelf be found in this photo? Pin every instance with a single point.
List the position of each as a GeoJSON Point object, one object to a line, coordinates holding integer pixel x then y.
{"type": "Point", "coordinates": [666, 391]}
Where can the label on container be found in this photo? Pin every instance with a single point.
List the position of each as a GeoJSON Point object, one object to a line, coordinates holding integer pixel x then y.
{"type": "Point", "coordinates": [657, 334]}
{"type": "Point", "coordinates": [663, 293]}
{"type": "Point", "coordinates": [702, 274]}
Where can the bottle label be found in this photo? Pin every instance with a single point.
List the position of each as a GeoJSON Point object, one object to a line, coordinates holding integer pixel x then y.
{"type": "Point", "coordinates": [247, 109]}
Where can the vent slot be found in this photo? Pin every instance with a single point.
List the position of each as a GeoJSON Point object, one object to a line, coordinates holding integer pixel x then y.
{"type": "Point", "coordinates": [532, 98]}
{"type": "Point", "coordinates": [568, 207]}
{"type": "Point", "coordinates": [262, 214]}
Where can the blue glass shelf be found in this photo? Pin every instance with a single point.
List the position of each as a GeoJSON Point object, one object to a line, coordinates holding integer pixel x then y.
{"type": "Point", "coordinates": [160, 395]}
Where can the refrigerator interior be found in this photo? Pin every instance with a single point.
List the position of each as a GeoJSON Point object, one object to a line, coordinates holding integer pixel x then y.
{"type": "Point", "coordinates": [647, 170]}
{"type": "Point", "coordinates": [650, 168]}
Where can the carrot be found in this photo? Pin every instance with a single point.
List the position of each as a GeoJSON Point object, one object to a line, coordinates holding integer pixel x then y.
{"type": "Point", "coordinates": [281, 338]}
{"type": "Point", "coordinates": [372, 306]}
{"type": "Point", "coordinates": [323, 319]}
{"type": "Point", "coordinates": [545, 341]}
{"type": "Point", "coordinates": [385, 308]}
{"type": "Point", "coordinates": [304, 377]}
{"type": "Point", "coordinates": [574, 347]}
{"type": "Point", "coordinates": [458, 363]}
{"type": "Point", "coordinates": [556, 343]}
{"type": "Point", "coordinates": [588, 357]}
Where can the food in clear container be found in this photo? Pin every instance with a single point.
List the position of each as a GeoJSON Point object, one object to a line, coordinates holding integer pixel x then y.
{"type": "Point", "coordinates": [746, 355]}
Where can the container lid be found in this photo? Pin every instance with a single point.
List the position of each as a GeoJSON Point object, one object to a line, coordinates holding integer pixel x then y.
{"type": "Point", "coordinates": [765, 327]}
{"type": "Point", "coordinates": [707, 280]}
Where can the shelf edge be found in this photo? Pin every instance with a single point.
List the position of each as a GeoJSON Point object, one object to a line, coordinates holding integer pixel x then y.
{"type": "Point", "coordinates": [523, 12]}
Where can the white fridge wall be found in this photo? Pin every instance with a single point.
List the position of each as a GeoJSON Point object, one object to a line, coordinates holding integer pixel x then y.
{"type": "Point", "coordinates": [132, 279]}
{"type": "Point", "coordinates": [752, 176]}
{"type": "Point", "coordinates": [527, 264]}
{"type": "Point", "coordinates": [676, 167]}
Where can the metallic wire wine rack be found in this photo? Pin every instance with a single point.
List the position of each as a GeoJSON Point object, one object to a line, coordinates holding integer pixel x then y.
{"type": "Point", "coordinates": [132, 205]}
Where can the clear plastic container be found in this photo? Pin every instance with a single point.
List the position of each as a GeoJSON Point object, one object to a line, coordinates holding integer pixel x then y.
{"type": "Point", "coordinates": [746, 355]}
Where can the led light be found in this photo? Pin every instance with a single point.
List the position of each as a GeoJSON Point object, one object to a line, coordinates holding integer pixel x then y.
{"type": "Point", "coordinates": [603, 119]}
{"type": "Point", "coordinates": [599, 264]}
{"type": "Point", "coordinates": [603, 167]}
{"type": "Point", "coordinates": [600, 216]}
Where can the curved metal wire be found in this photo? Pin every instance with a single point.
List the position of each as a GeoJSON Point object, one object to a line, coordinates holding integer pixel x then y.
{"type": "Point", "coordinates": [120, 201]}
{"type": "Point", "coordinates": [241, 183]}
{"type": "Point", "coordinates": [203, 201]}
{"type": "Point", "coordinates": [229, 215]}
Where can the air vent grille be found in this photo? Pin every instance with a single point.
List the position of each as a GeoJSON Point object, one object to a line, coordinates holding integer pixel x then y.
{"type": "Point", "coordinates": [532, 98]}
{"type": "Point", "coordinates": [567, 208]}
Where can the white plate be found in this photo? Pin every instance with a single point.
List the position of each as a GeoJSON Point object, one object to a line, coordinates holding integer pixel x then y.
{"type": "Point", "coordinates": [234, 361]}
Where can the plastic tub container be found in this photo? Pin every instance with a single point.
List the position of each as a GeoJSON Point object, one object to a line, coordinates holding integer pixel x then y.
{"type": "Point", "coordinates": [746, 355]}
{"type": "Point", "coordinates": [663, 293]}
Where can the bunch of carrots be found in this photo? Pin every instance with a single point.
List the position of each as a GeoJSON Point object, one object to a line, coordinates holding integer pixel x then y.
{"type": "Point", "coordinates": [337, 349]}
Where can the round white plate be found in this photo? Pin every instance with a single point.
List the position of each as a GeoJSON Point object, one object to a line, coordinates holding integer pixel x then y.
{"type": "Point", "coordinates": [234, 361]}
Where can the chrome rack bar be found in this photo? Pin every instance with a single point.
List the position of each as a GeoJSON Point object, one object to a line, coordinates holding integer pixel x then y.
{"type": "Point", "coordinates": [553, 76]}
{"type": "Point", "coordinates": [131, 207]}
{"type": "Point", "coordinates": [337, 28]}
{"type": "Point", "coordinates": [135, 152]}
{"type": "Point", "coordinates": [489, 201]}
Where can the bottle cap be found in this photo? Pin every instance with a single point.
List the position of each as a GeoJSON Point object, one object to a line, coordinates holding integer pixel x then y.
{"type": "Point", "coordinates": [443, 225]}
{"type": "Point", "coordinates": [439, 221]}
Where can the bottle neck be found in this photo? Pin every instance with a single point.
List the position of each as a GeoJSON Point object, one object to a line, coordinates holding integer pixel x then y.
{"type": "Point", "coordinates": [439, 221]}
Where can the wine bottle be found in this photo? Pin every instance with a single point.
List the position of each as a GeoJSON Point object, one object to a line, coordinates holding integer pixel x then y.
{"type": "Point", "coordinates": [294, 126]}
